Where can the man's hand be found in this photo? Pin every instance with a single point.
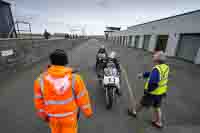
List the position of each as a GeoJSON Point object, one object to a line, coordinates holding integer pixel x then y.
{"type": "Point", "coordinates": [140, 76]}
{"type": "Point", "coordinates": [43, 116]}
{"type": "Point", "coordinates": [90, 116]}
{"type": "Point", "coordinates": [146, 92]}
{"type": "Point", "coordinates": [76, 70]}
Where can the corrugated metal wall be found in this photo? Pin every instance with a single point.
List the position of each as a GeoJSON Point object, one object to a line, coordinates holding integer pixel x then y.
{"type": "Point", "coordinates": [6, 20]}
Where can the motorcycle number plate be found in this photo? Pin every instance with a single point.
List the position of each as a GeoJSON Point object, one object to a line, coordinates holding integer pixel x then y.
{"type": "Point", "coordinates": [111, 80]}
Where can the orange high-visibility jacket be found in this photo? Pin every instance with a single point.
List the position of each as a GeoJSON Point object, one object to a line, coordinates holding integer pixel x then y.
{"type": "Point", "coordinates": [60, 94]}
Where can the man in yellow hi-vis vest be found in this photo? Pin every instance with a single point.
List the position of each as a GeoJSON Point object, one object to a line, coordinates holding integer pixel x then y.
{"type": "Point", "coordinates": [155, 88]}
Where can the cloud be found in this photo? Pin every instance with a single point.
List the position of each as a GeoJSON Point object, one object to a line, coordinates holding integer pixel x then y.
{"type": "Point", "coordinates": [103, 3]}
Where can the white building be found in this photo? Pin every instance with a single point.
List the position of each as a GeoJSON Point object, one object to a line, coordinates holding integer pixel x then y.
{"type": "Point", "coordinates": [177, 36]}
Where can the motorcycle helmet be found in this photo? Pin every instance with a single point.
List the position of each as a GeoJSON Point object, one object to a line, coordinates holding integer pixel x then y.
{"type": "Point", "coordinates": [110, 64]}
{"type": "Point", "coordinates": [112, 55]}
{"type": "Point", "coordinates": [102, 47]}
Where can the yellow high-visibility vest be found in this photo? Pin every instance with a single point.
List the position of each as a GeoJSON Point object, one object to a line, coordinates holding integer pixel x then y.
{"type": "Point", "coordinates": [163, 70]}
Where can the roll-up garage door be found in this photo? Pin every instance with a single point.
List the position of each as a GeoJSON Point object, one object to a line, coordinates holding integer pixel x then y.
{"type": "Point", "coordinates": [137, 39]}
{"type": "Point", "coordinates": [123, 43]}
{"type": "Point", "coordinates": [120, 40]}
{"type": "Point", "coordinates": [188, 46]}
{"type": "Point", "coordinates": [161, 43]}
{"type": "Point", "coordinates": [146, 42]}
{"type": "Point", "coordinates": [130, 41]}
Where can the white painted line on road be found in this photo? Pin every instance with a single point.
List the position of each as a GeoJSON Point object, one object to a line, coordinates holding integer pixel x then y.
{"type": "Point", "coordinates": [132, 98]}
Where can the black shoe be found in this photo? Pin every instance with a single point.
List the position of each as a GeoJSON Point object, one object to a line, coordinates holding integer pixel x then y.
{"type": "Point", "coordinates": [131, 113]}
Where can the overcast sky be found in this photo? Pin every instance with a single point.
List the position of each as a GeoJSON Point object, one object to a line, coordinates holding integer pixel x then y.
{"type": "Point", "coordinates": [94, 15]}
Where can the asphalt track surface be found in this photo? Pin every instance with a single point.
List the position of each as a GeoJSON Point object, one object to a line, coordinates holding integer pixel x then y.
{"type": "Point", "coordinates": [181, 108]}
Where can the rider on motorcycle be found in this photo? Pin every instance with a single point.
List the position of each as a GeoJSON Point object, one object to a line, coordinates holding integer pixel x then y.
{"type": "Point", "coordinates": [112, 57]}
{"type": "Point", "coordinates": [102, 50]}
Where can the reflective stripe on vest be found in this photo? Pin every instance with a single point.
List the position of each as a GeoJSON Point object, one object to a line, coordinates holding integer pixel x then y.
{"type": "Point", "coordinates": [162, 85]}
{"type": "Point", "coordinates": [86, 106]}
{"type": "Point", "coordinates": [63, 114]}
{"type": "Point", "coordinates": [40, 79]}
{"type": "Point", "coordinates": [59, 102]}
{"type": "Point", "coordinates": [73, 85]}
{"type": "Point", "coordinates": [41, 83]}
{"type": "Point", "coordinates": [38, 96]}
{"type": "Point", "coordinates": [40, 110]}
{"type": "Point", "coordinates": [82, 93]}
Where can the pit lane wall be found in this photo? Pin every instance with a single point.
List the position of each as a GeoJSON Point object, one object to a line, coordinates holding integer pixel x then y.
{"type": "Point", "coordinates": [18, 53]}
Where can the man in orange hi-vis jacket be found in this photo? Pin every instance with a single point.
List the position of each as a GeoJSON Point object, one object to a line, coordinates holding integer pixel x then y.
{"type": "Point", "coordinates": [59, 94]}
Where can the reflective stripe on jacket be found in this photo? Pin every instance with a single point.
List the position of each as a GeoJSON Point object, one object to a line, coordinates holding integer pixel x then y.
{"type": "Point", "coordinates": [162, 85]}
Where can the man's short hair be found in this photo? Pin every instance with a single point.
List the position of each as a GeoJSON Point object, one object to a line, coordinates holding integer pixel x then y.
{"type": "Point", "coordinates": [59, 57]}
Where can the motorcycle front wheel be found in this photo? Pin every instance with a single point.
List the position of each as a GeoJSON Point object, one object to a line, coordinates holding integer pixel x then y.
{"type": "Point", "coordinates": [109, 98]}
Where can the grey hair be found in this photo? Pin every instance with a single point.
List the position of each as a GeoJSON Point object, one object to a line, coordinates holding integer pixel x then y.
{"type": "Point", "coordinates": [161, 56]}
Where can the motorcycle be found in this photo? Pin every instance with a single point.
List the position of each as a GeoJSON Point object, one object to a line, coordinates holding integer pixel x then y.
{"type": "Point", "coordinates": [111, 82]}
{"type": "Point", "coordinates": [101, 62]}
